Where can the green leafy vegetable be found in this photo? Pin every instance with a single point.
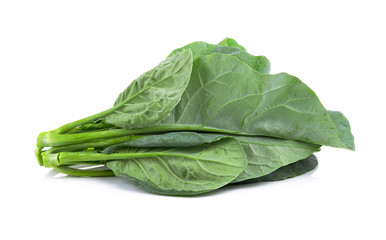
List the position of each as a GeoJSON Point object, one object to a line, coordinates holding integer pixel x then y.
{"type": "Point", "coordinates": [207, 116]}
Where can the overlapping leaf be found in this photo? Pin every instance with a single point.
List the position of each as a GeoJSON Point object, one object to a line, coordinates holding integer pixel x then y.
{"type": "Point", "coordinates": [183, 171]}
{"type": "Point", "coordinates": [264, 154]}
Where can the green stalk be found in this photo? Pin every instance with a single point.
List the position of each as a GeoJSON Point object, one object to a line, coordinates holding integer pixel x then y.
{"type": "Point", "coordinates": [51, 139]}
{"type": "Point", "coordinates": [90, 127]}
{"type": "Point", "coordinates": [70, 158]}
{"type": "Point", "coordinates": [84, 173]}
{"type": "Point", "coordinates": [93, 144]}
{"type": "Point", "coordinates": [77, 141]}
{"type": "Point", "coordinates": [67, 158]}
{"type": "Point", "coordinates": [67, 127]}
{"type": "Point", "coordinates": [38, 155]}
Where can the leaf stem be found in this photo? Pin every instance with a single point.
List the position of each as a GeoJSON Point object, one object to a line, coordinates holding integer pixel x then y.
{"type": "Point", "coordinates": [51, 139]}
{"type": "Point", "coordinates": [83, 173]}
{"type": "Point", "coordinates": [66, 158]}
{"type": "Point", "coordinates": [93, 144]}
{"type": "Point", "coordinates": [70, 158]}
{"type": "Point", "coordinates": [69, 126]}
{"type": "Point", "coordinates": [38, 154]}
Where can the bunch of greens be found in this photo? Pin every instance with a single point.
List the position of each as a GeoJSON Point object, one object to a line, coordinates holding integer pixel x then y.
{"type": "Point", "coordinates": [207, 116]}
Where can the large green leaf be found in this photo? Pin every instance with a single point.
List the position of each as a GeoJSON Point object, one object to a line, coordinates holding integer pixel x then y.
{"type": "Point", "coordinates": [225, 95]}
{"type": "Point", "coordinates": [182, 171]}
{"type": "Point", "coordinates": [259, 63]}
{"type": "Point", "coordinates": [230, 42]}
{"type": "Point", "coordinates": [264, 154]}
{"type": "Point", "coordinates": [152, 96]}
{"type": "Point", "coordinates": [292, 170]}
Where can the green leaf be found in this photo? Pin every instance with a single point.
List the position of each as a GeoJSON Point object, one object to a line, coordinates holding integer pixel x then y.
{"type": "Point", "coordinates": [259, 63]}
{"type": "Point", "coordinates": [264, 154]}
{"type": "Point", "coordinates": [151, 97]}
{"type": "Point", "coordinates": [292, 170]}
{"type": "Point", "coordinates": [183, 171]}
{"type": "Point", "coordinates": [230, 42]}
{"type": "Point", "coordinates": [225, 95]}
{"type": "Point", "coordinates": [146, 101]}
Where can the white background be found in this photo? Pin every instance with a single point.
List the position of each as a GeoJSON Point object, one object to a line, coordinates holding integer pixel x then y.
{"type": "Point", "coordinates": [64, 60]}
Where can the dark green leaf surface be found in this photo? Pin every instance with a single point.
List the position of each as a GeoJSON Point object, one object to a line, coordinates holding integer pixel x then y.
{"type": "Point", "coordinates": [151, 97]}
{"type": "Point", "coordinates": [227, 96]}
{"type": "Point", "coordinates": [259, 63]}
{"type": "Point", "coordinates": [183, 171]}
